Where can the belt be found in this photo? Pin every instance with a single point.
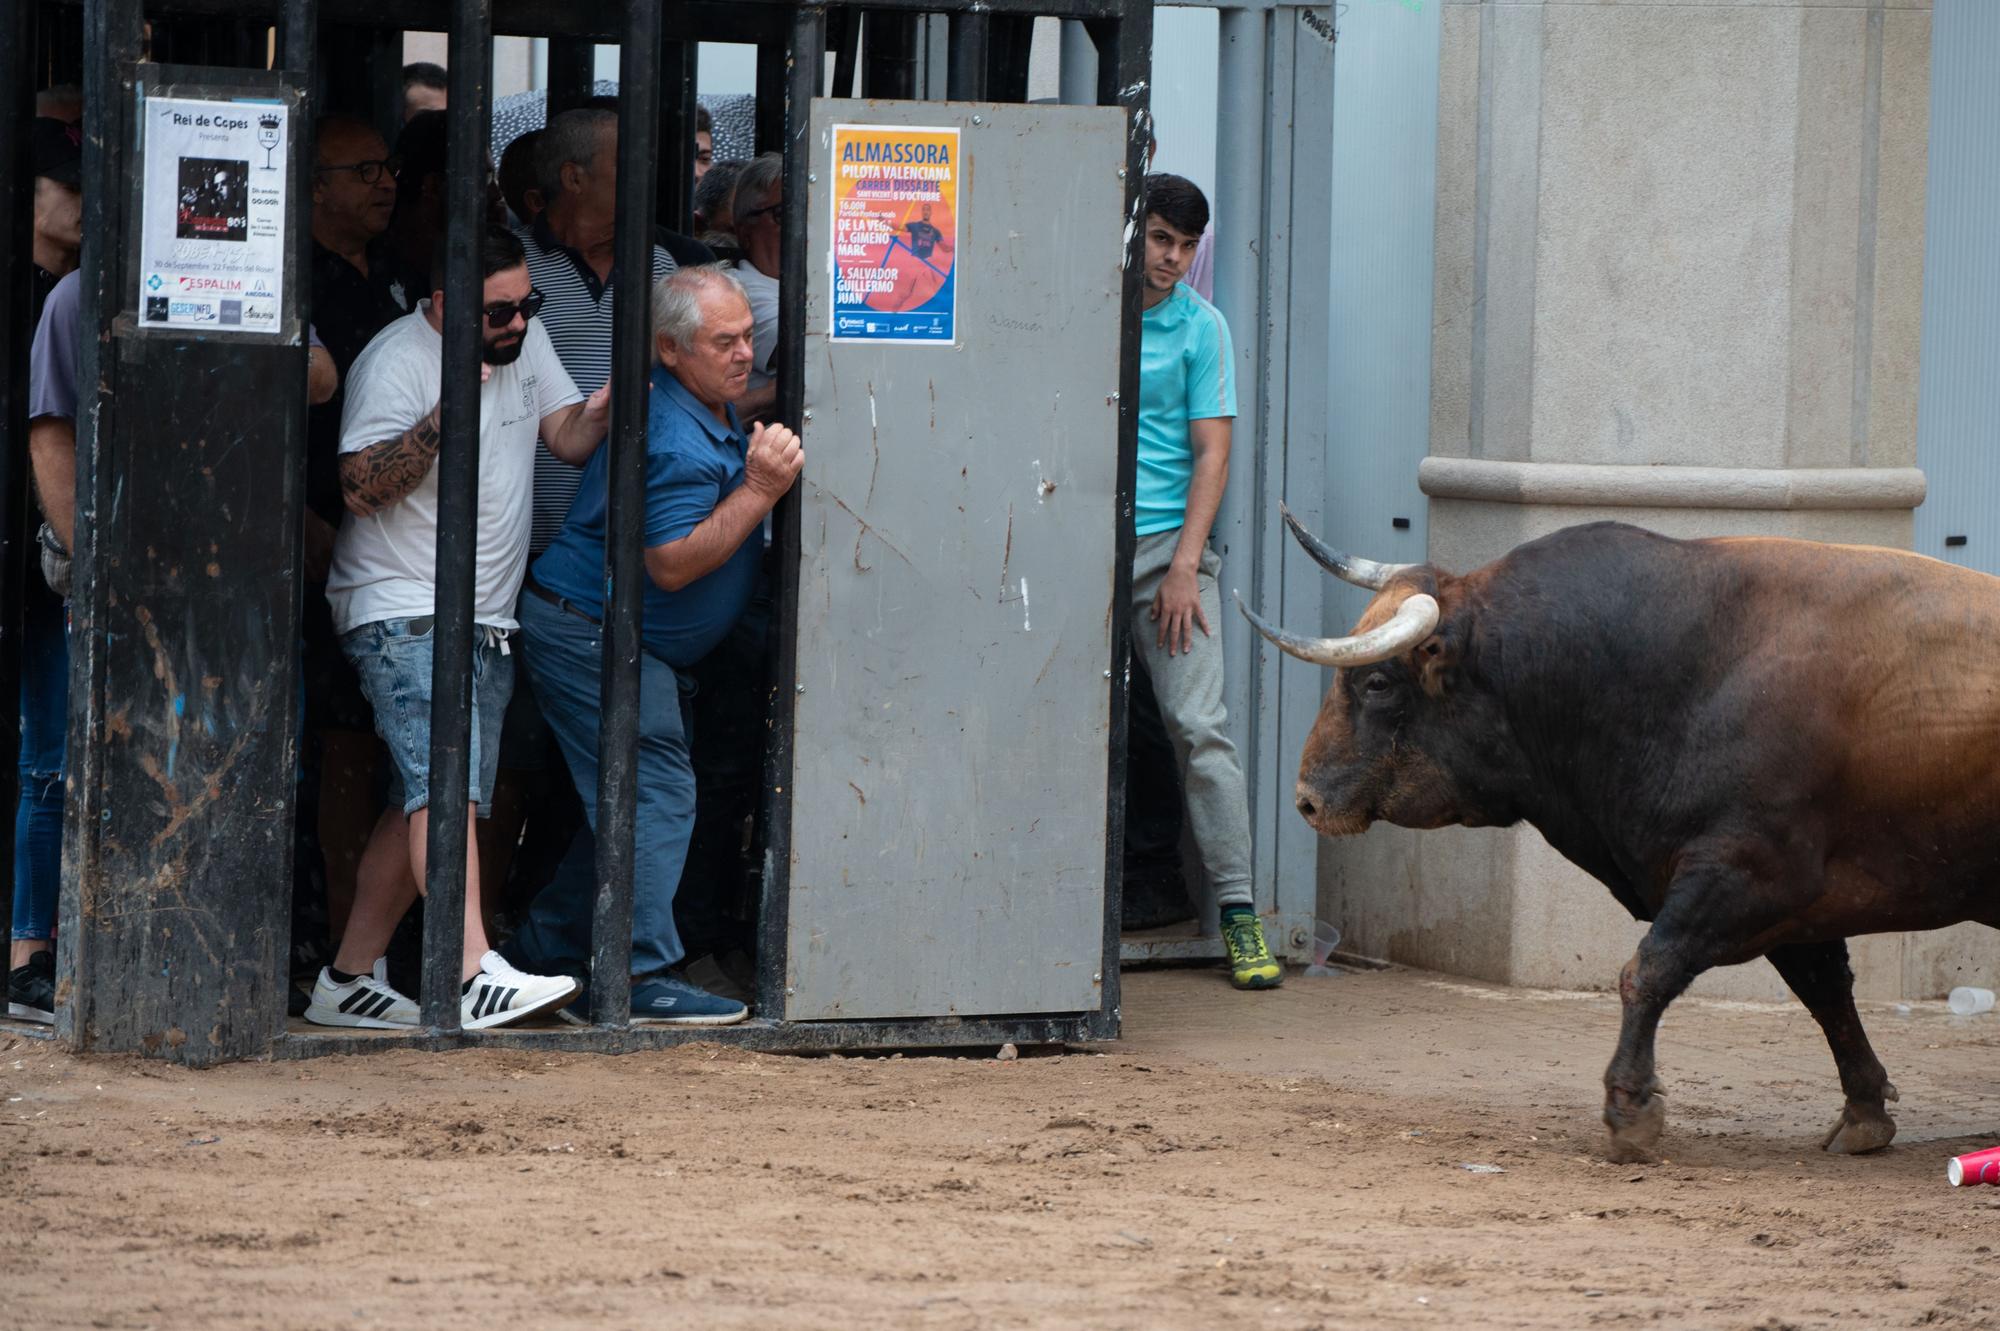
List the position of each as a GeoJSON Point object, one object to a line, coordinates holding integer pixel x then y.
{"type": "Point", "coordinates": [567, 607]}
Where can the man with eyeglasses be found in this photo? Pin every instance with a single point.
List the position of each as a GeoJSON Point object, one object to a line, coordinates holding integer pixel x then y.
{"type": "Point", "coordinates": [759, 215]}
{"type": "Point", "coordinates": [383, 593]}
{"type": "Point", "coordinates": [358, 289]}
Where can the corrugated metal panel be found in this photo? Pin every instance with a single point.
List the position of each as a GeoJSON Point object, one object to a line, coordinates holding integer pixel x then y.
{"type": "Point", "coordinates": [1958, 398]}
{"type": "Point", "coordinates": [1385, 91]}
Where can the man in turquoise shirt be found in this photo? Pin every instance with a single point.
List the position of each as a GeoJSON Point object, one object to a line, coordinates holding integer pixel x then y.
{"type": "Point", "coordinates": [1187, 400]}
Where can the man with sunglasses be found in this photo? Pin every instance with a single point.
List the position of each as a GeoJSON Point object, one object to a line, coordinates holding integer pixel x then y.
{"type": "Point", "coordinates": [383, 592]}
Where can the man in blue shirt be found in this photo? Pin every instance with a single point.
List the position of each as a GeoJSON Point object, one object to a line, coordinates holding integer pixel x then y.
{"type": "Point", "coordinates": [708, 489]}
{"type": "Point", "coordinates": [1187, 399]}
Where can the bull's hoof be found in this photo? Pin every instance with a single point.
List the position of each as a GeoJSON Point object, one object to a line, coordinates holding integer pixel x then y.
{"type": "Point", "coordinates": [1635, 1126]}
{"type": "Point", "coordinates": [1859, 1130]}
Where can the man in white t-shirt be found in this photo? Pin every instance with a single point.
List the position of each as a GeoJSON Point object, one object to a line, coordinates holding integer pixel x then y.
{"type": "Point", "coordinates": [383, 594]}
{"type": "Point", "coordinates": [759, 208]}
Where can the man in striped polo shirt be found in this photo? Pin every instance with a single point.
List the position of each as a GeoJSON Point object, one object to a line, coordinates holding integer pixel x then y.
{"type": "Point", "coordinates": [570, 250]}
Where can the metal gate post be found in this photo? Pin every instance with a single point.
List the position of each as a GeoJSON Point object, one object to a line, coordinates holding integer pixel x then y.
{"type": "Point", "coordinates": [674, 133]}
{"type": "Point", "coordinates": [1124, 74]}
{"type": "Point", "coordinates": [572, 74]}
{"type": "Point", "coordinates": [1297, 277]}
{"type": "Point", "coordinates": [970, 37]}
{"type": "Point", "coordinates": [1239, 219]}
{"type": "Point", "coordinates": [17, 200]}
{"type": "Point", "coordinates": [470, 109]}
{"type": "Point", "coordinates": [805, 72]}
{"type": "Point", "coordinates": [618, 720]}
{"type": "Point", "coordinates": [182, 745]}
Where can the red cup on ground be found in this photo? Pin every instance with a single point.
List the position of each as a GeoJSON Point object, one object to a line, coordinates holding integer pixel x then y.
{"type": "Point", "coordinates": [1978, 1167]}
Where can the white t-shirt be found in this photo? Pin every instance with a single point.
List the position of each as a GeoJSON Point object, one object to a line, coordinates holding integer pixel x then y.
{"type": "Point", "coordinates": [385, 565]}
{"type": "Point", "coordinates": [763, 293]}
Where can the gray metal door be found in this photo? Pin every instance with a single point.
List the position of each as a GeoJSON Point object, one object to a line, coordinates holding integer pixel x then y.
{"type": "Point", "coordinates": [957, 542]}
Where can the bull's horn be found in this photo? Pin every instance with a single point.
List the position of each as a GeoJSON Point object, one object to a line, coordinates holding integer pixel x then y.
{"type": "Point", "coordinates": [1411, 624]}
{"type": "Point", "coordinates": [1361, 572]}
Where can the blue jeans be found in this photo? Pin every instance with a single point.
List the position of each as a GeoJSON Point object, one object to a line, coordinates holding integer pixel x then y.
{"type": "Point", "coordinates": [393, 658]}
{"type": "Point", "coordinates": [564, 655]}
{"type": "Point", "coordinates": [38, 818]}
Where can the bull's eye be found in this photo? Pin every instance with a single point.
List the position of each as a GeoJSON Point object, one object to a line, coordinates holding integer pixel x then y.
{"type": "Point", "coordinates": [1376, 684]}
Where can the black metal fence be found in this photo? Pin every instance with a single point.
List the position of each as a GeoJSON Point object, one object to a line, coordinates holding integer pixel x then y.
{"type": "Point", "coordinates": [147, 951]}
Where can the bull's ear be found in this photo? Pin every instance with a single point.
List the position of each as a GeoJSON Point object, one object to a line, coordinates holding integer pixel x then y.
{"type": "Point", "coordinates": [1436, 659]}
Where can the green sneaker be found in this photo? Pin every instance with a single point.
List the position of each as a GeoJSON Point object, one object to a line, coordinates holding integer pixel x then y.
{"type": "Point", "coordinates": [1251, 965]}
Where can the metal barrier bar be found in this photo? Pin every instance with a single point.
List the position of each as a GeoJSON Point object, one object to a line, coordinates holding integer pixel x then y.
{"type": "Point", "coordinates": [469, 128]}
{"type": "Point", "coordinates": [889, 61]}
{"type": "Point", "coordinates": [1239, 214]}
{"type": "Point", "coordinates": [807, 63]}
{"type": "Point", "coordinates": [572, 73]}
{"type": "Point", "coordinates": [17, 209]}
{"type": "Point", "coordinates": [674, 128]}
{"type": "Point", "coordinates": [773, 76]}
{"type": "Point", "coordinates": [971, 37]}
{"type": "Point", "coordinates": [843, 35]}
{"type": "Point", "coordinates": [624, 528]}
{"type": "Point", "coordinates": [1124, 63]}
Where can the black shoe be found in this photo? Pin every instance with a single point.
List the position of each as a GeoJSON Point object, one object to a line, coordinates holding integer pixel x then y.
{"type": "Point", "coordinates": [31, 989]}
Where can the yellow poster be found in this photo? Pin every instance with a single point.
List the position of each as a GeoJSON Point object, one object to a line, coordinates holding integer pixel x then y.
{"type": "Point", "coordinates": [895, 234]}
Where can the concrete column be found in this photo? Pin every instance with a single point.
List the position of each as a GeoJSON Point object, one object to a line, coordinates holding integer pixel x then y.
{"type": "Point", "coordinates": [1078, 79]}
{"type": "Point", "coordinates": [1679, 255]}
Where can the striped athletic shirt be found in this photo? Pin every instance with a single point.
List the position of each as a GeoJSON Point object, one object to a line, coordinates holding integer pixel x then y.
{"type": "Point", "coordinates": [576, 312]}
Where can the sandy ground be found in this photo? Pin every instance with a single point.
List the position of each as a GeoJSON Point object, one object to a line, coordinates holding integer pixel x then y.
{"type": "Point", "coordinates": [1282, 1160]}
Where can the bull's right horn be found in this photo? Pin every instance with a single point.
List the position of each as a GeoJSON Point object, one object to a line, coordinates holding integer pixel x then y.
{"type": "Point", "coordinates": [1361, 572]}
{"type": "Point", "coordinates": [1411, 624]}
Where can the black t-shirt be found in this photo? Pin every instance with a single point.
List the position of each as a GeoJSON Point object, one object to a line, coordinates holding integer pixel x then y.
{"type": "Point", "coordinates": [348, 309]}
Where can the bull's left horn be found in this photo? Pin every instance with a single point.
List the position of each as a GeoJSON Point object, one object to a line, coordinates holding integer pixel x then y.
{"type": "Point", "coordinates": [1411, 624]}
{"type": "Point", "coordinates": [1361, 572]}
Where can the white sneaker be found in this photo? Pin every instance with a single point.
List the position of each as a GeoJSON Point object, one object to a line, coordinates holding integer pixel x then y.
{"type": "Point", "coordinates": [501, 995]}
{"type": "Point", "coordinates": [366, 1000]}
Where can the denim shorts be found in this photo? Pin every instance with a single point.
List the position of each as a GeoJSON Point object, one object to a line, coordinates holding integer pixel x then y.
{"type": "Point", "coordinates": [394, 663]}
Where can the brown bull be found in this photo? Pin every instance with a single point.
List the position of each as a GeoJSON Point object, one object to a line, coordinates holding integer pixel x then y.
{"type": "Point", "coordinates": [1764, 747]}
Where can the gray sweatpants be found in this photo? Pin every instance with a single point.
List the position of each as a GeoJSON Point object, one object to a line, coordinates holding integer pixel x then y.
{"type": "Point", "coordinates": [1189, 687]}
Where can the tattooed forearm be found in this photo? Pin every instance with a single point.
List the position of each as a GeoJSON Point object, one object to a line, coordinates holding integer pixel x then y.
{"type": "Point", "coordinates": [381, 474]}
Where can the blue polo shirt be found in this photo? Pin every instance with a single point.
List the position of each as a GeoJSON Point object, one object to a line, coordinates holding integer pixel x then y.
{"type": "Point", "coordinates": [1185, 374]}
{"type": "Point", "coordinates": [693, 463]}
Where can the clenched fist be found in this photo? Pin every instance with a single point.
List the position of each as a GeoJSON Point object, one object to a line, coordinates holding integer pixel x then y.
{"type": "Point", "coordinates": [773, 462]}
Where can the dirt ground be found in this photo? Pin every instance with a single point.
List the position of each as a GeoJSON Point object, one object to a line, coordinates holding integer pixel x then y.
{"type": "Point", "coordinates": [1284, 1160]}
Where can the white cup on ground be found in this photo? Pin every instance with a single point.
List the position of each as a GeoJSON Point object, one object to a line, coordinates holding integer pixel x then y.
{"type": "Point", "coordinates": [1326, 938]}
{"type": "Point", "coordinates": [1967, 1001]}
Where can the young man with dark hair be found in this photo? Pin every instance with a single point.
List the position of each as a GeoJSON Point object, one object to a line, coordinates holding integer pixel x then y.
{"type": "Point", "coordinates": [424, 88]}
{"type": "Point", "coordinates": [383, 592]}
{"type": "Point", "coordinates": [518, 187]}
{"type": "Point", "coordinates": [1187, 400]}
{"type": "Point", "coordinates": [704, 142]}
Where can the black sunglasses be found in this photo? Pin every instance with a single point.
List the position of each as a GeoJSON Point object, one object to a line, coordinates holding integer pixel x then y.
{"type": "Point", "coordinates": [499, 316]}
{"type": "Point", "coordinates": [768, 210]}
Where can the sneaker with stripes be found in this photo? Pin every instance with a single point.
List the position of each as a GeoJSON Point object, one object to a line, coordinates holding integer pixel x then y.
{"type": "Point", "coordinates": [499, 995]}
{"type": "Point", "coordinates": [366, 1001]}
